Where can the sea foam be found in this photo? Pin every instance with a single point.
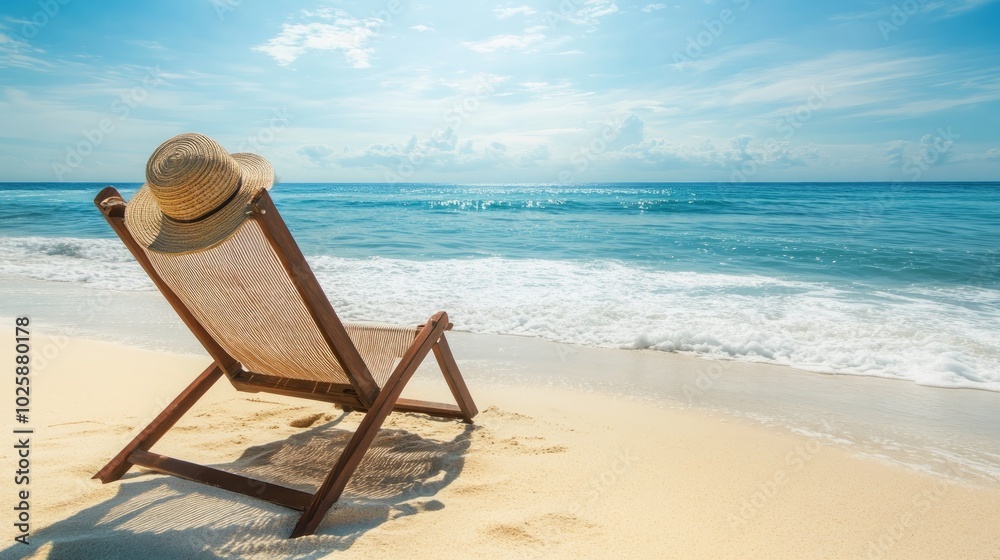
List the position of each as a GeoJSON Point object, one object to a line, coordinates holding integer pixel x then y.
{"type": "Point", "coordinates": [942, 336]}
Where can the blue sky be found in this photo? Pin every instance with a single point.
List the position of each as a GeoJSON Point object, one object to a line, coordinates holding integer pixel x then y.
{"type": "Point", "coordinates": [547, 91]}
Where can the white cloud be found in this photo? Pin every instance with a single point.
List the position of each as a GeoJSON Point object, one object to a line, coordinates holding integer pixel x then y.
{"type": "Point", "coordinates": [993, 154]}
{"type": "Point", "coordinates": [835, 74]}
{"type": "Point", "coordinates": [8, 41]}
{"type": "Point", "coordinates": [506, 42]}
{"type": "Point", "coordinates": [623, 142]}
{"type": "Point", "coordinates": [536, 86]}
{"type": "Point", "coordinates": [653, 7]}
{"type": "Point", "coordinates": [589, 14]}
{"type": "Point", "coordinates": [894, 153]}
{"type": "Point", "coordinates": [739, 150]}
{"type": "Point", "coordinates": [953, 8]}
{"type": "Point", "coordinates": [659, 108]}
{"type": "Point", "coordinates": [941, 8]}
{"type": "Point", "coordinates": [931, 150]}
{"type": "Point", "coordinates": [743, 55]}
{"type": "Point", "coordinates": [466, 83]}
{"type": "Point", "coordinates": [346, 34]}
{"type": "Point", "coordinates": [442, 151]}
{"type": "Point", "coordinates": [421, 28]}
{"type": "Point", "coordinates": [627, 132]}
{"type": "Point", "coordinates": [504, 13]}
{"type": "Point", "coordinates": [15, 53]}
{"type": "Point", "coordinates": [882, 82]}
{"type": "Point", "coordinates": [547, 89]}
{"type": "Point", "coordinates": [318, 153]}
{"type": "Point", "coordinates": [151, 45]}
{"type": "Point", "coordinates": [927, 106]}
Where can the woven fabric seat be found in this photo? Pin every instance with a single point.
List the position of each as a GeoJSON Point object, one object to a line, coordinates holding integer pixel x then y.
{"type": "Point", "coordinates": [256, 307]}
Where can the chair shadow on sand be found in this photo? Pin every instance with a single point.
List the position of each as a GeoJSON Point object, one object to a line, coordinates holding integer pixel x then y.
{"type": "Point", "coordinates": [159, 516]}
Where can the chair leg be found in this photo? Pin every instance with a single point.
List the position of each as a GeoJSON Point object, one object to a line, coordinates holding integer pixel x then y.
{"type": "Point", "coordinates": [331, 489]}
{"type": "Point", "coordinates": [161, 424]}
{"type": "Point", "coordinates": [454, 379]}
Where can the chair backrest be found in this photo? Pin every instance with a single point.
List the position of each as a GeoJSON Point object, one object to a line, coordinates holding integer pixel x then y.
{"type": "Point", "coordinates": [254, 297]}
{"type": "Point", "coordinates": [243, 296]}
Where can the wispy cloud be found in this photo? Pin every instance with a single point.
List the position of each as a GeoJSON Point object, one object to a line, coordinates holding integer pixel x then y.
{"type": "Point", "coordinates": [932, 105]}
{"type": "Point", "coordinates": [151, 45]}
{"type": "Point", "coordinates": [506, 42]}
{"type": "Point", "coordinates": [504, 13]}
{"type": "Point", "coordinates": [443, 151]}
{"type": "Point", "coordinates": [884, 82]}
{"type": "Point", "coordinates": [903, 153]}
{"type": "Point", "coordinates": [953, 8]}
{"type": "Point", "coordinates": [736, 151]}
{"type": "Point", "coordinates": [15, 53]}
{"type": "Point", "coordinates": [939, 9]}
{"type": "Point", "coordinates": [627, 144]}
{"type": "Point", "coordinates": [537, 86]}
{"type": "Point", "coordinates": [548, 90]}
{"type": "Point", "coordinates": [346, 34]}
{"type": "Point", "coordinates": [991, 155]}
{"type": "Point", "coordinates": [587, 13]}
{"type": "Point", "coordinates": [653, 7]}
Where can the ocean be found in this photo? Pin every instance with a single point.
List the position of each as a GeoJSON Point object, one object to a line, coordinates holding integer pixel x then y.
{"type": "Point", "coordinates": [894, 280]}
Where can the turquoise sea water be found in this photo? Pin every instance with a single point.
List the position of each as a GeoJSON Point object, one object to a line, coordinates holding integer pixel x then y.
{"type": "Point", "coordinates": [892, 280]}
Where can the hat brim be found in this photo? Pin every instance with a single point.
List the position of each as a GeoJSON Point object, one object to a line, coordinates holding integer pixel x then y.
{"type": "Point", "coordinates": [155, 231]}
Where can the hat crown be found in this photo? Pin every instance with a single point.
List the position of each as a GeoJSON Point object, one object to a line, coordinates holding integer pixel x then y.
{"type": "Point", "coordinates": [191, 176]}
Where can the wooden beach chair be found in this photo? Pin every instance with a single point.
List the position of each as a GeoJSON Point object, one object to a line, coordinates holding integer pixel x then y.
{"type": "Point", "coordinates": [257, 308]}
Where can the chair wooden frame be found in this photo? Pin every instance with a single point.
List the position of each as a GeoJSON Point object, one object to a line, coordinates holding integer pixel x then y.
{"type": "Point", "coordinates": [362, 394]}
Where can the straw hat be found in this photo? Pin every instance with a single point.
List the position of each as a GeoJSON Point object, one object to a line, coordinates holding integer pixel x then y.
{"type": "Point", "coordinates": [196, 194]}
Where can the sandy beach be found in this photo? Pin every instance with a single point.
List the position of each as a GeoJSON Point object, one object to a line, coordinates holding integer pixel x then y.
{"type": "Point", "coordinates": [557, 469]}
